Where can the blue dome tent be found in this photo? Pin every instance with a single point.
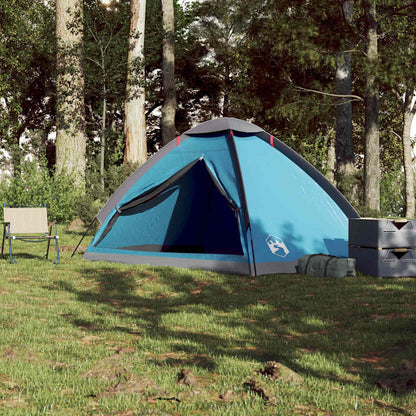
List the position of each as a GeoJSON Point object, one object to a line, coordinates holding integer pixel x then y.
{"type": "Point", "coordinates": [224, 196]}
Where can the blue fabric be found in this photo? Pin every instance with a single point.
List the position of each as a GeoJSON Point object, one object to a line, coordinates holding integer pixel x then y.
{"type": "Point", "coordinates": [190, 216]}
{"type": "Point", "coordinates": [214, 149]}
{"type": "Point", "coordinates": [290, 214]}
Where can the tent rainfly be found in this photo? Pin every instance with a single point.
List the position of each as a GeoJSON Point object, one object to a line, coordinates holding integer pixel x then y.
{"type": "Point", "coordinates": [224, 196]}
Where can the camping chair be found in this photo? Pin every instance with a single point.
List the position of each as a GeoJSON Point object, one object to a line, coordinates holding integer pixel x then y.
{"type": "Point", "coordinates": [29, 224]}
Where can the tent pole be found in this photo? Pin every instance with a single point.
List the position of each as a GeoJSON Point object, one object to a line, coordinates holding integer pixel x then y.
{"type": "Point", "coordinates": [245, 206]}
{"type": "Point", "coordinates": [82, 238]}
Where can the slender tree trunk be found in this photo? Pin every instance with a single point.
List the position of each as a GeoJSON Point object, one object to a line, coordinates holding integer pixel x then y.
{"type": "Point", "coordinates": [169, 104]}
{"type": "Point", "coordinates": [409, 112]}
{"type": "Point", "coordinates": [226, 95]}
{"type": "Point", "coordinates": [372, 149]}
{"type": "Point", "coordinates": [70, 111]}
{"type": "Point", "coordinates": [135, 123]}
{"type": "Point", "coordinates": [344, 148]}
{"type": "Point", "coordinates": [103, 137]}
{"type": "Point", "coordinates": [331, 158]}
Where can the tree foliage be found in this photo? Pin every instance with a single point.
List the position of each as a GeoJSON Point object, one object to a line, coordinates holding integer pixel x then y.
{"type": "Point", "coordinates": [27, 63]}
{"type": "Point", "coordinates": [272, 63]}
{"type": "Point", "coordinates": [105, 65]}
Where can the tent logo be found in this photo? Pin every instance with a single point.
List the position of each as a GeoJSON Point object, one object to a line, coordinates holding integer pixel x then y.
{"type": "Point", "coordinates": [277, 246]}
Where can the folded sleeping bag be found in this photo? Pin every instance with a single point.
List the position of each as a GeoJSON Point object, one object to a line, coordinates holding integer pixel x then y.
{"type": "Point", "coordinates": [323, 265]}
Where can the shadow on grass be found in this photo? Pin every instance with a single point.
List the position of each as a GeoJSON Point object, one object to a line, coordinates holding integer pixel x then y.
{"type": "Point", "coordinates": [346, 330]}
{"type": "Point", "coordinates": [29, 256]}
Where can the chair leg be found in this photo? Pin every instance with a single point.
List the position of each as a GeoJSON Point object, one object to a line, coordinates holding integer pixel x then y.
{"type": "Point", "coordinates": [12, 260]}
{"type": "Point", "coordinates": [57, 260]}
{"type": "Point", "coordinates": [2, 244]}
{"type": "Point", "coordinates": [49, 241]}
{"type": "Point", "coordinates": [5, 235]}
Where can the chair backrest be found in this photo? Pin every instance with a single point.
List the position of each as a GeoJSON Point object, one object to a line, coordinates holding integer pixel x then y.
{"type": "Point", "coordinates": [26, 220]}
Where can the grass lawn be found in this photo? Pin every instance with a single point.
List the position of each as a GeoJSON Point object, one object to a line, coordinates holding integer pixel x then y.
{"type": "Point", "coordinates": [95, 338]}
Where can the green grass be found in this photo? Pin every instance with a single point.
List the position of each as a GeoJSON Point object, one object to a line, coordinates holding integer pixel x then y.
{"type": "Point", "coordinates": [92, 338]}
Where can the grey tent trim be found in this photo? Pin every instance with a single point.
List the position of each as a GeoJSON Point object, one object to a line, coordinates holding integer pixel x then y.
{"type": "Point", "coordinates": [233, 267]}
{"type": "Point", "coordinates": [276, 267]}
{"type": "Point", "coordinates": [224, 124]}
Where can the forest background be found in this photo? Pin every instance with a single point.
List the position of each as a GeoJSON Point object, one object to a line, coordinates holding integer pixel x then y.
{"type": "Point", "coordinates": [333, 79]}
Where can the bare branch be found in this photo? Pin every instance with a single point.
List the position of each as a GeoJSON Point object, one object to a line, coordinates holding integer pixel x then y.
{"type": "Point", "coordinates": [94, 35]}
{"type": "Point", "coordinates": [394, 133]}
{"type": "Point", "coordinates": [95, 62]}
{"type": "Point", "coordinates": [353, 97]}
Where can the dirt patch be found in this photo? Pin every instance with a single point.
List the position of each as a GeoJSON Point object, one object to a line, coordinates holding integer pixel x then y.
{"type": "Point", "coordinates": [134, 384]}
{"type": "Point", "coordinates": [134, 412]}
{"type": "Point", "coordinates": [187, 378]}
{"type": "Point", "coordinates": [378, 363]}
{"type": "Point", "coordinates": [114, 369]}
{"type": "Point", "coordinates": [81, 249]}
{"type": "Point", "coordinates": [181, 359]}
{"type": "Point", "coordinates": [11, 394]}
{"type": "Point", "coordinates": [19, 278]}
{"type": "Point", "coordinates": [89, 339]}
{"type": "Point", "coordinates": [22, 352]}
{"type": "Point", "coordinates": [228, 396]}
{"type": "Point", "coordinates": [110, 368]}
{"type": "Point", "coordinates": [279, 372]}
{"type": "Point", "coordinates": [76, 225]}
{"type": "Point", "coordinates": [13, 402]}
{"type": "Point", "coordinates": [403, 379]}
{"type": "Point", "coordinates": [260, 388]}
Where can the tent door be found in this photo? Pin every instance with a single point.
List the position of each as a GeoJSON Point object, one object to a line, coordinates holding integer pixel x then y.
{"type": "Point", "coordinates": [188, 213]}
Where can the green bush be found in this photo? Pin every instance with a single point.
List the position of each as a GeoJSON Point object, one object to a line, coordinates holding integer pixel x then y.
{"type": "Point", "coordinates": [32, 184]}
{"type": "Point", "coordinates": [89, 205]}
{"type": "Point", "coordinates": [392, 192]}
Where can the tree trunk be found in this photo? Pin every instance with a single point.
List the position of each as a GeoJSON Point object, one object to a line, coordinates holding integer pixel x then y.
{"type": "Point", "coordinates": [409, 111]}
{"type": "Point", "coordinates": [344, 148]}
{"type": "Point", "coordinates": [226, 92]}
{"type": "Point", "coordinates": [135, 124]}
{"type": "Point", "coordinates": [103, 118]}
{"type": "Point", "coordinates": [331, 157]}
{"type": "Point", "coordinates": [169, 104]}
{"type": "Point", "coordinates": [372, 149]}
{"type": "Point", "coordinates": [103, 137]}
{"type": "Point", "coordinates": [70, 111]}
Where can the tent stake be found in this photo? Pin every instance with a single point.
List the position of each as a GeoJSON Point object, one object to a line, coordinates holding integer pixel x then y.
{"type": "Point", "coordinates": [80, 241]}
